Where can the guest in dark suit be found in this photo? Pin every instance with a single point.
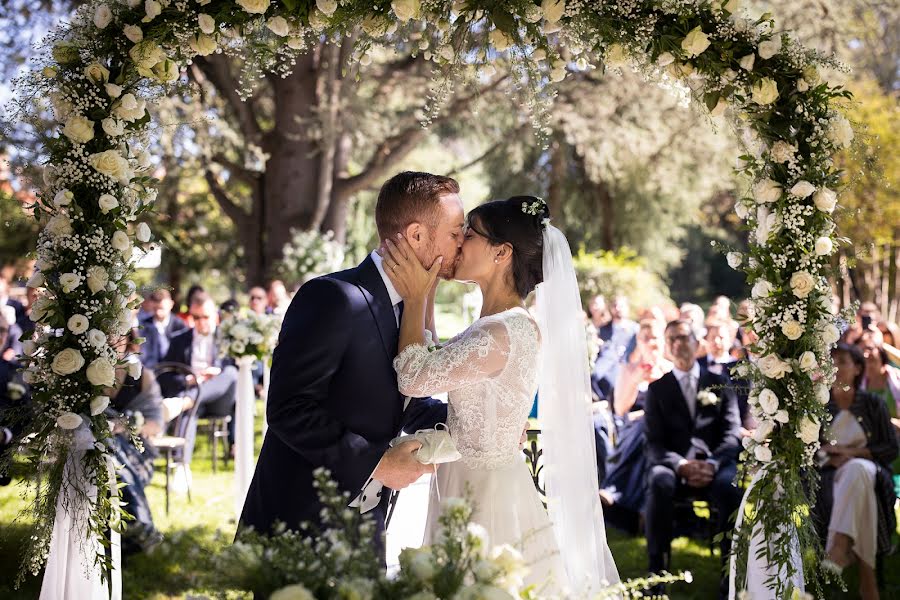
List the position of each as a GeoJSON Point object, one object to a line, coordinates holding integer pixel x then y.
{"type": "Point", "coordinates": [13, 395]}
{"type": "Point", "coordinates": [693, 441]}
{"type": "Point", "coordinates": [196, 348]}
{"type": "Point", "coordinates": [158, 328]}
{"type": "Point", "coordinates": [333, 398]}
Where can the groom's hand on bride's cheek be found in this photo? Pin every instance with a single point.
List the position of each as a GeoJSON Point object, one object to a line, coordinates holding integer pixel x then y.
{"type": "Point", "coordinates": [399, 466]}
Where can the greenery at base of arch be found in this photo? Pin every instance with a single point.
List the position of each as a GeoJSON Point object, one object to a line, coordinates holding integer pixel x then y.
{"type": "Point", "coordinates": [102, 71]}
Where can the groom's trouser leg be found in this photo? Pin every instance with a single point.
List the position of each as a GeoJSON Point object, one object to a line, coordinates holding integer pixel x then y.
{"type": "Point", "coordinates": [660, 493]}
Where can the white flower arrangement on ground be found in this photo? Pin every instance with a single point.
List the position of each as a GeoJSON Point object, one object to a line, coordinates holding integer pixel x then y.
{"type": "Point", "coordinates": [250, 334]}
{"type": "Point", "coordinates": [105, 67]}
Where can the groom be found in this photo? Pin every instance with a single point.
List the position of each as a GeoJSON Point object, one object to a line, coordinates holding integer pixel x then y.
{"type": "Point", "coordinates": [333, 399]}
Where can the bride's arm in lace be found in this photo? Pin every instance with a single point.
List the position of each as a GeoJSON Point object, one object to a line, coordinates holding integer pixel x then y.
{"type": "Point", "coordinates": [478, 354]}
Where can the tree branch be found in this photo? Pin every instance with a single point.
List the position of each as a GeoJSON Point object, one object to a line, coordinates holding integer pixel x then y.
{"type": "Point", "coordinates": [234, 212]}
{"type": "Point", "coordinates": [216, 71]}
{"type": "Point", "coordinates": [503, 139]}
{"type": "Point", "coordinates": [242, 173]}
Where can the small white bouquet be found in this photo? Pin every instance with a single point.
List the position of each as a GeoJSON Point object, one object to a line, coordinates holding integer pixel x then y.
{"type": "Point", "coordinates": [249, 335]}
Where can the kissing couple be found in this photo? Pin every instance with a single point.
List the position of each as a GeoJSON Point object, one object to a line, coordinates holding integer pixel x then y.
{"type": "Point", "coordinates": [356, 364]}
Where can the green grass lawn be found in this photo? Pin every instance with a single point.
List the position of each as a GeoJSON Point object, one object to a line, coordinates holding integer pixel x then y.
{"type": "Point", "coordinates": [195, 530]}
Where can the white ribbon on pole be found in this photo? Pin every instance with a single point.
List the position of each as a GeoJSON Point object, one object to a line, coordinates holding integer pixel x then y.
{"type": "Point", "coordinates": [71, 570]}
{"type": "Point", "coordinates": [243, 433]}
{"type": "Point", "coordinates": [267, 374]}
{"type": "Point", "coordinates": [758, 571]}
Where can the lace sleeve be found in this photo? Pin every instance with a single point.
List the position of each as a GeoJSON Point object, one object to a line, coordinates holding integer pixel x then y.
{"type": "Point", "coordinates": [476, 355]}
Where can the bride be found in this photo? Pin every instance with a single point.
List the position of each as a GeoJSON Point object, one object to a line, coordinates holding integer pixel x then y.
{"type": "Point", "coordinates": [492, 371]}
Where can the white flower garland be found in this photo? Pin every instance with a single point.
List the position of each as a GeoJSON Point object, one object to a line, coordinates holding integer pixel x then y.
{"type": "Point", "coordinates": [105, 68]}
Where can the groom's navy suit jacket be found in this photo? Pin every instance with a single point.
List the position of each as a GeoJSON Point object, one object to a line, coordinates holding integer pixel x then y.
{"type": "Point", "coordinates": [671, 432]}
{"type": "Point", "coordinates": [333, 399]}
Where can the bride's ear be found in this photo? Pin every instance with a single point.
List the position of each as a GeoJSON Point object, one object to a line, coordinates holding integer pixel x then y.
{"type": "Point", "coordinates": [502, 253]}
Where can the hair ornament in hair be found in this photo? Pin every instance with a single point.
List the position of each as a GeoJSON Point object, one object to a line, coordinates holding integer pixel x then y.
{"type": "Point", "coordinates": [538, 208]}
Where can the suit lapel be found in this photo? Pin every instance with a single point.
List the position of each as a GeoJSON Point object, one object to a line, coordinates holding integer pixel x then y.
{"type": "Point", "coordinates": [376, 295]}
{"type": "Point", "coordinates": [677, 393]}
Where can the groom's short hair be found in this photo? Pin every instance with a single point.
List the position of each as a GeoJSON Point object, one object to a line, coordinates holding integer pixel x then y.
{"type": "Point", "coordinates": [411, 197]}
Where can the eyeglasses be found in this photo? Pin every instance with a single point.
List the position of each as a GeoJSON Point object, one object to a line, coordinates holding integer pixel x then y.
{"type": "Point", "coordinates": [201, 317]}
{"type": "Point", "coordinates": [257, 297]}
{"type": "Point", "coordinates": [678, 338]}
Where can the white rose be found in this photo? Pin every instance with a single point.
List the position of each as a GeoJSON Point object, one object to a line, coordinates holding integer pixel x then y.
{"type": "Point", "coordinates": [113, 90]}
{"type": "Point", "coordinates": [96, 338]}
{"type": "Point", "coordinates": [63, 198]}
{"type": "Point", "coordinates": [317, 20]}
{"type": "Point", "coordinates": [747, 62]}
{"type": "Point", "coordinates": [130, 108]}
{"type": "Point", "coordinates": [36, 280]}
{"type": "Point", "coordinates": [732, 6]}
{"type": "Point", "coordinates": [770, 48]}
{"type": "Point", "coordinates": [808, 362]}
{"type": "Point", "coordinates": [121, 242]}
{"type": "Point", "coordinates": [207, 23]}
{"type": "Point", "coordinates": [292, 592]}
{"type": "Point", "coordinates": [62, 108]}
{"type": "Point", "coordinates": [29, 377]}
{"type": "Point", "coordinates": [69, 281]}
{"type": "Point", "coordinates": [78, 324]}
{"type": "Point", "coordinates": [279, 25]}
{"type": "Point", "coordinates": [792, 330]}
{"type": "Point", "coordinates": [766, 191]}
{"type": "Point", "coordinates": [782, 151]}
{"type": "Point", "coordinates": [665, 59]}
{"type": "Point", "coordinates": [825, 200]}
{"type": "Point", "coordinates": [153, 9]}
{"type": "Point", "coordinates": [203, 44]}
{"type": "Point", "coordinates": [553, 10]}
{"type": "Point", "coordinates": [811, 74]}
{"type": "Point", "coordinates": [768, 401]}
{"type": "Point", "coordinates": [145, 54]}
{"type": "Point", "coordinates": [133, 33]}
{"type": "Point", "coordinates": [823, 394]}
{"type": "Point", "coordinates": [809, 430]}
{"type": "Point", "coordinates": [735, 259]}
{"type": "Point", "coordinates": [49, 72]}
{"type": "Point", "coordinates": [802, 85]}
{"type": "Point", "coordinates": [829, 334]}
{"type": "Point", "coordinates": [418, 562]}
{"type": "Point", "coordinates": [59, 226]}
{"type": "Point", "coordinates": [499, 40]}
{"type": "Point", "coordinates": [97, 278]}
{"type": "Point", "coordinates": [762, 453]}
{"type": "Point", "coordinates": [767, 223]}
{"type": "Point", "coordinates": [79, 129]}
{"type": "Point", "coordinates": [824, 246]}
{"type": "Point", "coordinates": [143, 232]}
{"type": "Point", "coordinates": [762, 289]}
{"type": "Point", "coordinates": [803, 189]}
{"type": "Point", "coordinates": [765, 91]}
{"type": "Point", "coordinates": [720, 107]}
{"type": "Point", "coordinates": [113, 127]}
{"type": "Point", "coordinates": [781, 416]}
{"type": "Point", "coordinates": [101, 372]}
{"type": "Point", "coordinates": [763, 430]}
{"type": "Point", "coordinates": [238, 348]}
{"type": "Point", "coordinates": [254, 7]}
{"type": "Point", "coordinates": [29, 347]}
{"type": "Point", "coordinates": [695, 42]}
{"type": "Point", "coordinates": [616, 55]}
{"type": "Point", "coordinates": [111, 164]}
{"type": "Point", "coordinates": [741, 210]}
{"type": "Point", "coordinates": [99, 404]}
{"type": "Point", "coordinates": [102, 16]}
{"type": "Point", "coordinates": [166, 71]}
{"type": "Point", "coordinates": [67, 361]}
{"type": "Point", "coordinates": [134, 367]}
{"type": "Point", "coordinates": [802, 283]}
{"type": "Point", "coordinates": [69, 420]}
{"type": "Point", "coordinates": [97, 73]}
{"type": "Point", "coordinates": [840, 132]}
{"type": "Point", "coordinates": [107, 202]}
{"type": "Point", "coordinates": [773, 367]}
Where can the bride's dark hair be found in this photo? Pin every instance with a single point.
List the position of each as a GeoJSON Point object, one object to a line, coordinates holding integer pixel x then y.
{"type": "Point", "coordinates": [519, 222]}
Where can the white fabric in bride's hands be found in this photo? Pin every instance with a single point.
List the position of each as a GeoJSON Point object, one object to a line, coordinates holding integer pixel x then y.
{"type": "Point", "coordinates": [567, 436]}
{"type": "Point", "coordinates": [758, 571]}
{"type": "Point", "coordinates": [437, 445]}
{"type": "Point", "coordinates": [71, 571]}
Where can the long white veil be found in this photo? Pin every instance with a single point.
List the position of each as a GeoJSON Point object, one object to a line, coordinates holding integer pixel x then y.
{"type": "Point", "coordinates": [564, 408]}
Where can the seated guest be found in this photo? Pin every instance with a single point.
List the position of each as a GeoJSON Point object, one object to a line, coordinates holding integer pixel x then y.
{"type": "Point", "coordinates": [615, 351]}
{"type": "Point", "coordinates": [279, 300]}
{"type": "Point", "coordinates": [718, 360]}
{"type": "Point", "coordinates": [693, 441]}
{"type": "Point", "coordinates": [158, 328]}
{"type": "Point", "coordinates": [193, 292]}
{"type": "Point", "coordinates": [626, 468]}
{"type": "Point", "coordinates": [196, 348]}
{"type": "Point", "coordinates": [13, 396]}
{"type": "Point", "coordinates": [259, 300]}
{"type": "Point", "coordinates": [12, 347]}
{"type": "Point", "coordinates": [856, 496]}
{"type": "Point", "coordinates": [138, 398]}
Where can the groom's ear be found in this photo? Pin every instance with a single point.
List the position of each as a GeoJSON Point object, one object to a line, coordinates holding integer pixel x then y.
{"type": "Point", "coordinates": [415, 234]}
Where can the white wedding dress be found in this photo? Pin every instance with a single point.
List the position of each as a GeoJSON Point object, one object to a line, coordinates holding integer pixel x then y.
{"type": "Point", "coordinates": [491, 373]}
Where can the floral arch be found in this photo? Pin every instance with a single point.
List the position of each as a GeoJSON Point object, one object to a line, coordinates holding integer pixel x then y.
{"type": "Point", "coordinates": [103, 71]}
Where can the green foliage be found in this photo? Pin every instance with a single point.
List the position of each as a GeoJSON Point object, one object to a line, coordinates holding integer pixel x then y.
{"type": "Point", "coordinates": [18, 229]}
{"type": "Point", "coordinates": [621, 273]}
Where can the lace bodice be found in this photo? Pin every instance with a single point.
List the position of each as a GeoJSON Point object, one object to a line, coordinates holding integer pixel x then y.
{"type": "Point", "coordinates": [491, 372]}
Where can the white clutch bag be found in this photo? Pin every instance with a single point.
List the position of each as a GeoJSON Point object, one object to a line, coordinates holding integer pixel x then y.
{"type": "Point", "coordinates": [437, 445]}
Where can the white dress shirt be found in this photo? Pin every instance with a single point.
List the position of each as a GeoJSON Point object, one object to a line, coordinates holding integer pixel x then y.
{"type": "Point", "coordinates": [690, 396]}
{"type": "Point", "coordinates": [202, 351]}
{"type": "Point", "coordinates": [395, 297]}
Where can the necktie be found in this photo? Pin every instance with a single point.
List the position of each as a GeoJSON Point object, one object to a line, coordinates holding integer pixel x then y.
{"type": "Point", "coordinates": [399, 309]}
{"type": "Point", "coordinates": [687, 388]}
